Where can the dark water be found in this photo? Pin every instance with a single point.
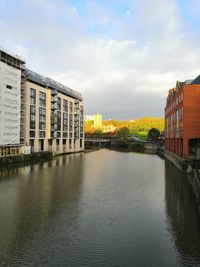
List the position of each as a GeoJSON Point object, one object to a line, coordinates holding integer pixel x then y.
{"type": "Point", "coordinates": [104, 208]}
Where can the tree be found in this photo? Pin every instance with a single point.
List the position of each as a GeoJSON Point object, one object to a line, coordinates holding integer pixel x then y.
{"type": "Point", "coordinates": [98, 132]}
{"type": "Point", "coordinates": [123, 132]}
{"type": "Point", "coordinates": [153, 134]}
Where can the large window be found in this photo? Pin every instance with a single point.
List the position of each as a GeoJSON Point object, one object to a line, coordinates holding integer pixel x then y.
{"type": "Point", "coordinates": [65, 122]}
{"type": "Point", "coordinates": [65, 105]}
{"type": "Point", "coordinates": [71, 106]}
{"type": "Point", "coordinates": [32, 96]}
{"type": "Point", "coordinates": [32, 117]}
{"type": "Point", "coordinates": [59, 121]}
{"type": "Point", "coordinates": [42, 118]}
{"type": "Point", "coordinates": [81, 110]}
{"type": "Point", "coordinates": [71, 122]}
{"type": "Point", "coordinates": [42, 99]}
{"type": "Point", "coordinates": [59, 103]}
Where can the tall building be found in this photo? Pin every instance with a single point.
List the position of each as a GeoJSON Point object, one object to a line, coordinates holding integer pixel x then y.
{"type": "Point", "coordinates": [182, 119]}
{"type": "Point", "coordinates": [36, 111]}
{"type": "Point", "coordinates": [12, 71]}
{"type": "Point", "coordinates": [54, 116]}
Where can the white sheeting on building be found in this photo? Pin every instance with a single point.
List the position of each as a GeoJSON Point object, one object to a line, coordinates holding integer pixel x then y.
{"type": "Point", "coordinates": [10, 84]}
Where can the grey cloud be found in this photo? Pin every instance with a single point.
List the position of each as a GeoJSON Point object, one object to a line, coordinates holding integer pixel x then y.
{"type": "Point", "coordinates": [124, 74]}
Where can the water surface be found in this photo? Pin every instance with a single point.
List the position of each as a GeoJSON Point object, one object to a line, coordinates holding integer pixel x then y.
{"type": "Point", "coordinates": [104, 208]}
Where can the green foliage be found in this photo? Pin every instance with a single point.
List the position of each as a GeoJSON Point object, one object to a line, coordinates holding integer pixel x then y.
{"type": "Point", "coordinates": [98, 131]}
{"type": "Point", "coordinates": [153, 134]}
{"type": "Point", "coordinates": [123, 132]}
{"type": "Point", "coordinates": [139, 127]}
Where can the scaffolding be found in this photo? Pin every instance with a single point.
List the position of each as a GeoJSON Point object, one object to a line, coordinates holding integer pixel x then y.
{"type": "Point", "coordinates": [19, 63]}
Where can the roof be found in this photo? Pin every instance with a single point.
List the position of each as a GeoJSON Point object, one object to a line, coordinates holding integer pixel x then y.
{"type": "Point", "coordinates": [53, 85]}
{"type": "Point", "coordinates": [196, 80]}
{"type": "Point", "coordinates": [22, 60]}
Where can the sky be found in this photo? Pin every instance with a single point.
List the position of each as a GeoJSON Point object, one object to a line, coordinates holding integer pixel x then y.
{"type": "Point", "coordinates": [122, 55]}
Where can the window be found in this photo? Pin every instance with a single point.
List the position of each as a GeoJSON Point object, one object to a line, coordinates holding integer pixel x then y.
{"type": "Point", "coordinates": [65, 105]}
{"type": "Point", "coordinates": [9, 87]}
{"type": "Point", "coordinates": [42, 118]}
{"type": "Point", "coordinates": [41, 134]}
{"type": "Point", "coordinates": [81, 110]}
{"type": "Point", "coordinates": [32, 96]}
{"type": "Point", "coordinates": [59, 103]}
{"type": "Point", "coordinates": [81, 143]}
{"type": "Point", "coordinates": [59, 121]}
{"type": "Point", "coordinates": [71, 106]}
{"type": "Point", "coordinates": [32, 109]}
{"type": "Point", "coordinates": [32, 134]}
{"type": "Point", "coordinates": [70, 122]}
{"type": "Point", "coordinates": [32, 121]}
{"type": "Point", "coordinates": [65, 135]}
{"type": "Point", "coordinates": [70, 143]}
{"type": "Point", "coordinates": [64, 141]}
{"type": "Point", "coordinates": [65, 121]}
{"type": "Point", "coordinates": [42, 99]}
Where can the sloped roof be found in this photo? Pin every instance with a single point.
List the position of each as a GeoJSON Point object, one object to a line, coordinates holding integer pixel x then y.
{"type": "Point", "coordinates": [196, 80]}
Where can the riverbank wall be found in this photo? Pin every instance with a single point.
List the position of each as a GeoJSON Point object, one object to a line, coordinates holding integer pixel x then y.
{"type": "Point", "coordinates": [176, 160]}
{"type": "Point", "coordinates": [190, 174]}
{"type": "Point", "coordinates": [28, 159]}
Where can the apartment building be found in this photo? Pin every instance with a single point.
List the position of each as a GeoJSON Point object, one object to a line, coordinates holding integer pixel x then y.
{"type": "Point", "coordinates": [54, 116]}
{"type": "Point", "coordinates": [182, 119]}
{"type": "Point", "coordinates": [37, 112]}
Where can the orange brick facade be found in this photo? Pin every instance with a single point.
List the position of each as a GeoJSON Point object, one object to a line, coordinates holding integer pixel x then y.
{"type": "Point", "coordinates": [182, 119]}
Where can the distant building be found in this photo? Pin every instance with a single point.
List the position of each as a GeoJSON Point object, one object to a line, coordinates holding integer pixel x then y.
{"type": "Point", "coordinates": [96, 118]}
{"type": "Point", "coordinates": [98, 123]}
{"type": "Point", "coordinates": [36, 111]}
{"type": "Point", "coordinates": [182, 119]}
{"type": "Point", "coordinates": [110, 128]}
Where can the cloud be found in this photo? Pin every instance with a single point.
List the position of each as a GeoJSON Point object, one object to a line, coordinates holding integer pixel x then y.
{"type": "Point", "coordinates": [123, 65]}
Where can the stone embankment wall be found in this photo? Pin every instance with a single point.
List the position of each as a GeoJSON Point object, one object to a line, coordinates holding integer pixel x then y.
{"type": "Point", "coordinates": [190, 174]}
{"type": "Point", "coordinates": [195, 184]}
{"type": "Point", "coordinates": [31, 158]}
{"type": "Point", "coordinates": [176, 160]}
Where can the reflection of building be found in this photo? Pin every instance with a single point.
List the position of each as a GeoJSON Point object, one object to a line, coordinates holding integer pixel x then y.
{"type": "Point", "coordinates": [182, 115]}
{"type": "Point", "coordinates": [37, 111]}
{"type": "Point", "coordinates": [182, 216]}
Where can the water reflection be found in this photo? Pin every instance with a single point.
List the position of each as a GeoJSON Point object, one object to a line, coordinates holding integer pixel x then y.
{"type": "Point", "coordinates": [40, 193]}
{"type": "Point", "coordinates": [104, 208]}
{"type": "Point", "coordinates": [182, 217]}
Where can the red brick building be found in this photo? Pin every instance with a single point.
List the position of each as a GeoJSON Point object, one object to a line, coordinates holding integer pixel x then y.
{"type": "Point", "coordinates": [182, 119]}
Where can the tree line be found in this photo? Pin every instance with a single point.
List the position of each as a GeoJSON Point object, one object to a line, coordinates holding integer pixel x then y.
{"type": "Point", "coordinates": [139, 127]}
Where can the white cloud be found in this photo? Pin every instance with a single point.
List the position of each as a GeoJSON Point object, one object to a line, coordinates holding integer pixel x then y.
{"type": "Point", "coordinates": [124, 72]}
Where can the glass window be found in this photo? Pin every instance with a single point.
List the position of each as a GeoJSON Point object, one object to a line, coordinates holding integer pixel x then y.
{"type": "Point", "coordinates": [42, 99]}
{"type": "Point", "coordinates": [65, 105]}
{"type": "Point", "coordinates": [59, 103]}
{"type": "Point", "coordinates": [32, 96]}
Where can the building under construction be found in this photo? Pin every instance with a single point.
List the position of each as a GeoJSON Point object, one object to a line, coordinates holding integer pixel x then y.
{"type": "Point", "coordinates": [37, 113]}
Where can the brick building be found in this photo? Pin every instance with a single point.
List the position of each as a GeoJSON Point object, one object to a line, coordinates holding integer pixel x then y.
{"type": "Point", "coordinates": [182, 119]}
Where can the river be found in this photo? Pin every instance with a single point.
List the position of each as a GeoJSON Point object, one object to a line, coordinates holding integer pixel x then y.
{"type": "Point", "coordinates": [104, 208]}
